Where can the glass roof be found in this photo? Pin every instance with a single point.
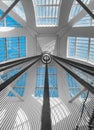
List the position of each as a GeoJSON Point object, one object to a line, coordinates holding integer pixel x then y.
{"type": "Point", "coordinates": [47, 12]}
{"type": "Point", "coordinates": [18, 9]}
{"type": "Point", "coordinates": [76, 8]}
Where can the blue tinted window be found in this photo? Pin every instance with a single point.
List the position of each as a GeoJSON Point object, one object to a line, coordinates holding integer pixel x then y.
{"type": "Point", "coordinates": [40, 79]}
{"type": "Point", "coordinates": [10, 94]}
{"type": "Point", "coordinates": [22, 46]}
{"type": "Point", "coordinates": [8, 21]}
{"type": "Point", "coordinates": [12, 47]}
{"type": "Point", "coordinates": [2, 50]}
{"type": "Point", "coordinates": [19, 86]}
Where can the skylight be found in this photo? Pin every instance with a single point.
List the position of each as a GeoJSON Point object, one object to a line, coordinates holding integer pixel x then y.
{"type": "Point", "coordinates": [18, 9]}
{"type": "Point", "coordinates": [47, 12]}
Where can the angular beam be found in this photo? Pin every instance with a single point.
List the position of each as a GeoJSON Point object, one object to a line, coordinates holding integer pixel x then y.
{"type": "Point", "coordinates": [81, 81]}
{"type": "Point", "coordinates": [85, 68]}
{"type": "Point", "coordinates": [70, 101]}
{"type": "Point", "coordinates": [9, 9]}
{"type": "Point", "coordinates": [86, 8]}
{"type": "Point", "coordinates": [46, 114]}
{"type": "Point", "coordinates": [11, 79]}
{"type": "Point", "coordinates": [18, 63]}
{"type": "Point", "coordinates": [19, 60]}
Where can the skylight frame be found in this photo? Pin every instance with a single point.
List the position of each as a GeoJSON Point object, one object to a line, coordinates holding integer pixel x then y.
{"type": "Point", "coordinates": [47, 13]}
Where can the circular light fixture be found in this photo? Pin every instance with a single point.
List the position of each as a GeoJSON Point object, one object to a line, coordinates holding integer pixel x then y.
{"type": "Point", "coordinates": [46, 58]}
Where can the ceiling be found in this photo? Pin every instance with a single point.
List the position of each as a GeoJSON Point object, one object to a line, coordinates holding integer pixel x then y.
{"type": "Point", "coordinates": [64, 24]}
{"type": "Point", "coordinates": [63, 18]}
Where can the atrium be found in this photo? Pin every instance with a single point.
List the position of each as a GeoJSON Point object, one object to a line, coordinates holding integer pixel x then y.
{"type": "Point", "coordinates": [46, 64]}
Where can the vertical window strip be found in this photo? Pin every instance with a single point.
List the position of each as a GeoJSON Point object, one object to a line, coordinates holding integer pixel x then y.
{"type": "Point", "coordinates": [3, 46]}
{"type": "Point", "coordinates": [40, 79]}
{"type": "Point", "coordinates": [81, 48]}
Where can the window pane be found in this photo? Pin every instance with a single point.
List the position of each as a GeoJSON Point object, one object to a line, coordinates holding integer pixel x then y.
{"type": "Point", "coordinates": [81, 48]}
{"type": "Point", "coordinates": [47, 12]}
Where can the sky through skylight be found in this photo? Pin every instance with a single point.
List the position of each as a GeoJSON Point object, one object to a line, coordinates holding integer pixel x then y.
{"type": "Point", "coordinates": [47, 12]}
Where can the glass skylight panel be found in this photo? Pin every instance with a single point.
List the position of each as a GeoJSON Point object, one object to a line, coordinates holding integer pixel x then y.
{"type": "Point", "coordinates": [47, 12]}
{"type": "Point", "coordinates": [76, 8]}
{"type": "Point", "coordinates": [81, 48]}
{"type": "Point", "coordinates": [18, 9]}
